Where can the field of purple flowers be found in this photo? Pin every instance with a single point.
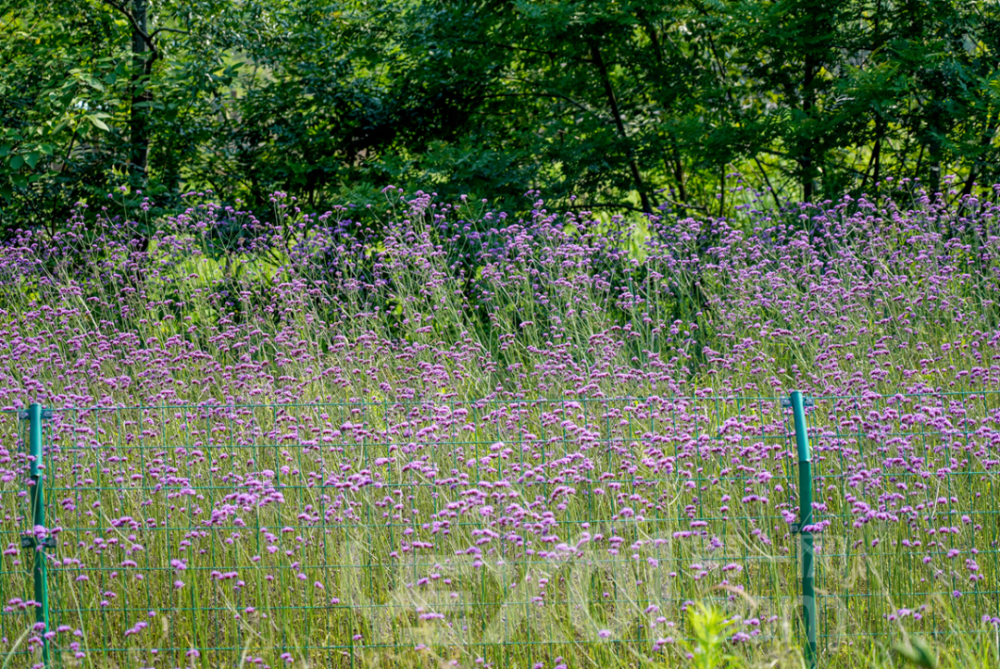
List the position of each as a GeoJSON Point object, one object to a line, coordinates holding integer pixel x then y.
{"type": "Point", "coordinates": [459, 439]}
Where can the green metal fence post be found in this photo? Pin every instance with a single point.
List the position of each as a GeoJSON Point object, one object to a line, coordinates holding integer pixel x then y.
{"type": "Point", "coordinates": [805, 520]}
{"type": "Point", "coordinates": [36, 492]}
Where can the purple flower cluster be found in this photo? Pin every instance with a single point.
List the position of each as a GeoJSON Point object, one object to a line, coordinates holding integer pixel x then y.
{"type": "Point", "coordinates": [307, 440]}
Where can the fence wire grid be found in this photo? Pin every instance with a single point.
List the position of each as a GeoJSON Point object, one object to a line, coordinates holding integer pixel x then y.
{"type": "Point", "coordinates": [514, 533]}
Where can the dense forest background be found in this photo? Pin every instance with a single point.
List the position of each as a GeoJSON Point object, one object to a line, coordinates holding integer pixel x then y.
{"type": "Point", "coordinates": [604, 105]}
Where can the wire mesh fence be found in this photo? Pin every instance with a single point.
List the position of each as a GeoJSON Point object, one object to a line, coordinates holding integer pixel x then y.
{"type": "Point", "coordinates": [508, 533]}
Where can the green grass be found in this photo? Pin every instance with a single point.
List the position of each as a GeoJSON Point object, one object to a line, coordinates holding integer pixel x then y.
{"type": "Point", "coordinates": [299, 353]}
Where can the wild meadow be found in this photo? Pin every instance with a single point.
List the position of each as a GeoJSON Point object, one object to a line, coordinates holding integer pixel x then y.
{"type": "Point", "coordinates": [448, 436]}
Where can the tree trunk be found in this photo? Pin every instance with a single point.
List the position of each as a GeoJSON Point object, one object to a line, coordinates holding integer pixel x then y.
{"type": "Point", "coordinates": [673, 164]}
{"type": "Point", "coordinates": [142, 66]}
{"type": "Point", "coordinates": [808, 103]}
{"type": "Point", "coordinates": [935, 170]}
{"type": "Point", "coordinates": [876, 174]}
{"type": "Point", "coordinates": [722, 191]}
{"type": "Point", "coordinates": [678, 170]}
{"type": "Point", "coordinates": [875, 161]}
{"type": "Point", "coordinates": [616, 113]}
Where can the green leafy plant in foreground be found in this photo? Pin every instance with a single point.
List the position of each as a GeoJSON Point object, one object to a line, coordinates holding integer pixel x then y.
{"type": "Point", "coordinates": [917, 652]}
{"type": "Point", "coordinates": [710, 632]}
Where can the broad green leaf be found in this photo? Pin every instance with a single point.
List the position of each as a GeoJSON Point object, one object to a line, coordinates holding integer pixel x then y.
{"type": "Point", "coordinates": [96, 122]}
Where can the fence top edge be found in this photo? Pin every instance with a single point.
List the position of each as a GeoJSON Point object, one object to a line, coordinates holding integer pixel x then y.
{"type": "Point", "coordinates": [487, 402]}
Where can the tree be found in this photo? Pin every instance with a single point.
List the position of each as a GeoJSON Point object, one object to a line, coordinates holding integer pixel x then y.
{"type": "Point", "coordinates": [613, 105]}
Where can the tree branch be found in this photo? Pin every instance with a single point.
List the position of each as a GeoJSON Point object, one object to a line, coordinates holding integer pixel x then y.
{"type": "Point", "coordinates": [555, 96]}
{"type": "Point", "coordinates": [148, 39]}
{"type": "Point", "coordinates": [551, 54]}
{"type": "Point", "coordinates": [168, 30]}
{"type": "Point", "coordinates": [767, 181]}
{"type": "Point", "coordinates": [608, 205]}
{"type": "Point", "coordinates": [616, 114]}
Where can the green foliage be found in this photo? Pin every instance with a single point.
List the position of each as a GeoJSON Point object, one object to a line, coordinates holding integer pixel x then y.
{"type": "Point", "coordinates": [622, 103]}
{"type": "Point", "coordinates": [710, 633]}
{"type": "Point", "coordinates": [917, 652]}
